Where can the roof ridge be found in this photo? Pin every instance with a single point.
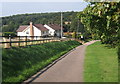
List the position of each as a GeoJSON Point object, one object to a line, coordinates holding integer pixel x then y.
{"type": "Point", "coordinates": [24, 25]}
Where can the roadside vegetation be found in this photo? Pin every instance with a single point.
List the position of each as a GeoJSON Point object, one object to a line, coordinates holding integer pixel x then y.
{"type": "Point", "coordinates": [101, 20]}
{"type": "Point", "coordinates": [101, 64]}
{"type": "Point", "coordinates": [21, 63]}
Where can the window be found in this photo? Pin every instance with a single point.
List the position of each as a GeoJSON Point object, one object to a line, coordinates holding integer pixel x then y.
{"type": "Point", "coordinates": [27, 32]}
{"type": "Point", "coordinates": [43, 32]}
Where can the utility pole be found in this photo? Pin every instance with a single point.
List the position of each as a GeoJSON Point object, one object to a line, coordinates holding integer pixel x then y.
{"type": "Point", "coordinates": [77, 28]}
{"type": "Point", "coordinates": [61, 25]}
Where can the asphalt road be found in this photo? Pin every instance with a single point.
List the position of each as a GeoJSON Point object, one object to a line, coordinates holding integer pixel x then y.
{"type": "Point", "coordinates": [69, 69]}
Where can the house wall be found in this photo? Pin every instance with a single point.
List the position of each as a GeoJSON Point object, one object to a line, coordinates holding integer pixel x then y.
{"type": "Point", "coordinates": [26, 32]}
{"type": "Point", "coordinates": [58, 32]}
{"type": "Point", "coordinates": [44, 33]}
{"type": "Point", "coordinates": [51, 31]}
{"type": "Point", "coordinates": [37, 32]}
{"type": "Point", "coordinates": [21, 34]}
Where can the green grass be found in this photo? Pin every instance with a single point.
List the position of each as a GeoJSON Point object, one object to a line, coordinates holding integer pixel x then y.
{"type": "Point", "coordinates": [101, 64]}
{"type": "Point", "coordinates": [21, 63]}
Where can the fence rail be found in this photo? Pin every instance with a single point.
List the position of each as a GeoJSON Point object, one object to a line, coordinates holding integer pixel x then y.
{"type": "Point", "coordinates": [18, 41]}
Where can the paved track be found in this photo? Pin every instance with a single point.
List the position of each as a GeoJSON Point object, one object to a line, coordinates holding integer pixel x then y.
{"type": "Point", "coordinates": [69, 69]}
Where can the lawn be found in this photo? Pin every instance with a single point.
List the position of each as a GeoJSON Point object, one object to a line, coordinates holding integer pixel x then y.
{"type": "Point", "coordinates": [21, 63]}
{"type": "Point", "coordinates": [101, 64]}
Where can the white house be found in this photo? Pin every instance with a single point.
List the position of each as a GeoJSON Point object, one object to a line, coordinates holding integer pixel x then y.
{"type": "Point", "coordinates": [32, 30]}
{"type": "Point", "coordinates": [39, 30]}
{"type": "Point", "coordinates": [54, 29]}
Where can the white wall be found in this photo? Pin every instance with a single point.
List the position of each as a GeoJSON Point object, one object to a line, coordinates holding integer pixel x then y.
{"type": "Point", "coordinates": [44, 33]}
{"type": "Point", "coordinates": [37, 32]}
{"type": "Point", "coordinates": [23, 33]}
{"type": "Point", "coordinates": [51, 31]}
{"type": "Point", "coordinates": [20, 34]}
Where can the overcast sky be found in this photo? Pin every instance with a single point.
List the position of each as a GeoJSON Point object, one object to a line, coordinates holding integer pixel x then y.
{"type": "Point", "coordinates": [41, 0]}
{"type": "Point", "coordinates": [13, 7]}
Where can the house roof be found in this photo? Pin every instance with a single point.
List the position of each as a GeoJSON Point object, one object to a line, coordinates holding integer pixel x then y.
{"type": "Point", "coordinates": [41, 27]}
{"type": "Point", "coordinates": [54, 26]}
{"type": "Point", "coordinates": [21, 28]}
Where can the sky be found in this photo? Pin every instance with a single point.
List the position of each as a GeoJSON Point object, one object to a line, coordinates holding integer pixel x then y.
{"type": "Point", "coordinates": [13, 7]}
{"type": "Point", "coordinates": [42, 0]}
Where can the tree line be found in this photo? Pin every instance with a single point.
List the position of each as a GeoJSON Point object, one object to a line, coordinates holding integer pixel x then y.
{"type": "Point", "coordinates": [11, 23]}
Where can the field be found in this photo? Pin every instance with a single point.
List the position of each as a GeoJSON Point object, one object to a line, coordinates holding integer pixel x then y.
{"type": "Point", "coordinates": [101, 64]}
{"type": "Point", "coordinates": [21, 63]}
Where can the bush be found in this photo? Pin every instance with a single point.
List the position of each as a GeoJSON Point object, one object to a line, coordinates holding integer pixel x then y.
{"type": "Point", "coordinates": [9, 33]}
{"type": "Point", "coordinates": [21, 63]}
{"type": "Point", "coordinates": [74, 35]}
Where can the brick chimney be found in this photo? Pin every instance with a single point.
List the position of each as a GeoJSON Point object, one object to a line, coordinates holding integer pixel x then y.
{"type": "Point", "coordinates": [31, 29]}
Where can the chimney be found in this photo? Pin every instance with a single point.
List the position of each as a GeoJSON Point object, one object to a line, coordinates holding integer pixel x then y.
{"type": "Point", "coordinates": [31, 29]}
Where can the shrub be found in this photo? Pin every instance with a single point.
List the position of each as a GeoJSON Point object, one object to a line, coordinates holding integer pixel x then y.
{"type": "Point", "coordinates": [9, 33]}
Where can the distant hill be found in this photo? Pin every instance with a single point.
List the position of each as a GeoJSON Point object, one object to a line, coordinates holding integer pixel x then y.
{"type": "Point", "coordinates": [11, 23]}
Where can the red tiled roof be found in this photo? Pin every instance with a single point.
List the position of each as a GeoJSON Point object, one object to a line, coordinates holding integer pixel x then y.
{"type": "Point", "coordinates": [54, 26]}
{"type": "Point", "coordinates": [41, 27]}
{"type": "Point", "coordinates": [21, 28]}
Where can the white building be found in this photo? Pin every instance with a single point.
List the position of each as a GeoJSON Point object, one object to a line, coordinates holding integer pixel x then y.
{"type": "Point", "coordinates": [32, 30]}
{"type": "Point", "coordinates": [54, 29]}
{"type": "Point", "coordinates": [39, 30]}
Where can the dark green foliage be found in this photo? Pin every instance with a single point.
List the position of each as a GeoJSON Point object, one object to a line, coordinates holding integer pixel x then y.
{"type": "Point", "coordinates": [9, 33]}
{"type": "Point", "coordinates": [119, 53]}
{"type": "Point", "coordinates": [11, 23]}
{"type": "Point", "coordinates": [21, 63]}
{"type": "Point", "coordinates": [102, 21]}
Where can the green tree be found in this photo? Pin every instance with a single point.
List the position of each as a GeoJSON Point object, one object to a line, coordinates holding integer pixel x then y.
{"type": "Point", "coordinates": [102, 20]}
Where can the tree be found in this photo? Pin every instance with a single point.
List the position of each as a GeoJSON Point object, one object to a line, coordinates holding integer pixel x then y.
{"type": "Point", "coordinates": [102, 19]}
{"type": "Point", "coordinates": [14, 21]}
{"type": "Point", "coordinates": [74, 25]}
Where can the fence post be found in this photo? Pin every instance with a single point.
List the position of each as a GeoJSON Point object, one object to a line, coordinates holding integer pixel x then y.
{"type": "Point", "coordinates": [10, 40]}
{"type": "Point", "coordinates": [40, 40]}
{"type": "Point", "coordinates": [26, 40]}
{"type": "Point", "coordinates": [36, 40]}
{"type": "Point", "coordinates": [19, 42]}
{"type": "Point", "coordinates": [6, 44]}
{"type": "Point", "coordinates": [32, 40]}
{"type": "Point", "coordinates": [43, 40]}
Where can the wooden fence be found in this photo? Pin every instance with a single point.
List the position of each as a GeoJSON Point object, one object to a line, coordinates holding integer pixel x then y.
{"type": "Point", "coordinates": [19, 41]}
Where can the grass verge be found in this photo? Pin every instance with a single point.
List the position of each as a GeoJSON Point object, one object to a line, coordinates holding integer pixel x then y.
{"type": "Point", "coordinates": [101, 64]}
{"type": "Point", "coordinates": [21, 63]}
